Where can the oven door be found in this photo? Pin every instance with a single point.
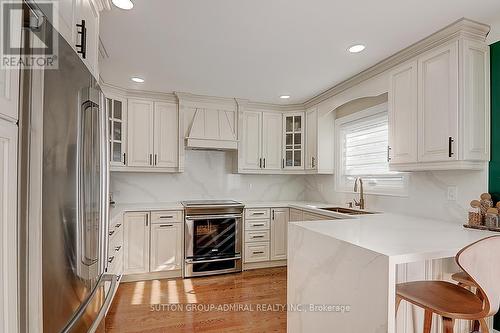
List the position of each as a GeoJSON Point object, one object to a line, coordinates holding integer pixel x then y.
{"type": "Point", "coordinates": [212, 244]}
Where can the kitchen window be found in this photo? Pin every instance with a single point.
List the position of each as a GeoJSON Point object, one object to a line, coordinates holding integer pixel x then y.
{"type": "Point", "coordinates": [362, 140]}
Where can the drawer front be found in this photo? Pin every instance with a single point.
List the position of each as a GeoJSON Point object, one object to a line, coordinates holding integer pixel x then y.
{"type": "Point", "coordinates": [116, 235]}
{"type": "Point", "coordinates": [257, 225]}
{"type": "Point", "coordinates": [115, 264]}
{"type": "Point", "coordinates": [170, 216]}
{"type": "Point", "coordinates": [115, 242]}
{"type": "Point", "coordinates": [258, 213]}
{"type": "Point", "coordinates": [116, 224]}
{"type": "Point", "coordinates": [255, 252]}
{"type": "Point", "coordinates": [257, 236]}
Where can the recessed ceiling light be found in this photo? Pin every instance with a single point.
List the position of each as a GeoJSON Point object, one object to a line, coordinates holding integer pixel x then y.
{"type": "Point", "coordinates": [137, 79]}
{"type": "Point", "coordinates": [356, 48]}
{"type": "Point", "coordinates": [284, 96]}
{"type": "Point", "coordinates": [123, 4]}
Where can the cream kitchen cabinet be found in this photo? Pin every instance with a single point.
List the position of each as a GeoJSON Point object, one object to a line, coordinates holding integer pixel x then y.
{"type": "Point", "coordinates": [152, 243]}
{"type": "Point", "coordinates": [140, 133]}
{"type": "Point", "coordinates": [403, 114]}
{"type": "Point", "coordinates": [261, 147]}
{"type": "Point", "coordinates": [152, 136]}
{"type": "Point", "coordinates": [9, 92]}
{"type": "Point", "coordinates": [271, 140]}
{"type": "Point", "coordinates": [166, 247]}
{"type": "Point", "coordinates": [319, 140]}
{"type": "Point", "coordinates": [439, 109]}
{"type": "Point", "coordinates": [296, 215]}
{"type": "Point", "coordinates": [293, 141]}
{"type": "Point", "coordinates": [78, 22]}
{"type": "Point", "coordinates": [279, 231]}
{"type": "Point", "coordinates": [87, 34]}
{"type": "Point", "coordinates": [117, 113]}
{"type": "Point", "coordinates": [8, 227]}
{"type": "Point", "coordinates": [136, 239]}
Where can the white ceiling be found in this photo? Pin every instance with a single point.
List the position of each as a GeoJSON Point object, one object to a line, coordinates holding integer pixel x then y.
{"type": "Point", "coordinates": [261, 49]}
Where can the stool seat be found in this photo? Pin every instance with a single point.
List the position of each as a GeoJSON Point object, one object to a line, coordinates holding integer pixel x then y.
{"type": "Point", "coordinates": [444, 298]}
{"type": "Point", "coordinates": [463, 278]}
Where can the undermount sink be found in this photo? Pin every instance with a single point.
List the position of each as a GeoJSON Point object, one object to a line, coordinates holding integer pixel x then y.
{"type": "Point", "coordinates": [347, 211]}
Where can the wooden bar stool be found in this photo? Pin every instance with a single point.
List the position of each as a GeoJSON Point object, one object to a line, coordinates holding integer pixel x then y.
{"type": "Point", "coordinates": [465, 281]}
{"type": "Point", "coordinates": [481, 262]}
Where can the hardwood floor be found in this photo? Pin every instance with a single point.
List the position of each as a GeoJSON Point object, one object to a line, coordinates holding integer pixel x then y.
{"type": "Point", "coordinates": [148, 306]}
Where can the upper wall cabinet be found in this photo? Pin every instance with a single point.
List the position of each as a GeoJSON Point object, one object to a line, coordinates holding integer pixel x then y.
{"type": "Point", "coordinates": [439, 109]}
{"type": "Point", "coordinates": [117, 113]}
{"type": "Point", "coordinates": [293, 138]}
{"type": "Point", "coordinates": [78, 23]}
{"type": "Point", "coordinates": [319, 137]}
{"type": "Point", "coordinates": [260, 147]}
{"type": "Point", "coordinates": [152, 136]}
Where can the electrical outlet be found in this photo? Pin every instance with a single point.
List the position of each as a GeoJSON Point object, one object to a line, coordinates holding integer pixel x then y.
{"type": "Point", "coordinates": [250, 186]}
{"type": "Point", "coordinates": [452, 193]}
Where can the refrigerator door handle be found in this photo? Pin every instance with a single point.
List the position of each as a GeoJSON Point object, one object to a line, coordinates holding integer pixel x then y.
{"type": "Point", "coordinates": [107, 302]}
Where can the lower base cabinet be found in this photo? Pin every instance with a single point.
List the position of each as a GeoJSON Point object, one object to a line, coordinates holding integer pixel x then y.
{"type": "Point", "coordinates": [279, 232]}
{"type": "Point", "coordinates": [265, 237]}
{"type": "Point", "coordinates": [136, 243]}
{"type": "Point", "coordinates": [152, 242]}
{"type": "Point", "coordinates": [166, 247]}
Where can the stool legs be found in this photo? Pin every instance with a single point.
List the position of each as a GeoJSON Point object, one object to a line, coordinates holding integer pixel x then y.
{"type": "Point", "coordinates": [448, 325]}
{"type": "Point", "coordinates": [427, 321]}
{"type": "Point", "coordinates": [484, 327]}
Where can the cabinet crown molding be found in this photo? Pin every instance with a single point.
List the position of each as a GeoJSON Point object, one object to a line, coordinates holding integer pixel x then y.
{"type": "Point", "coordinates": [463, 27]}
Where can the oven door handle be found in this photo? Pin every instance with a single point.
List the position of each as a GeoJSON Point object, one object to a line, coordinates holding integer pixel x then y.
{"type": "Point", "coordinates": [192, 261]}
{"type": "Point", "coordinates": [212, 217]}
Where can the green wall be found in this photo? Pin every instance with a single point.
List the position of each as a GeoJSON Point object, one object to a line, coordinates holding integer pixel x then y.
{"type": "Point", "coordinates": [494, 171]}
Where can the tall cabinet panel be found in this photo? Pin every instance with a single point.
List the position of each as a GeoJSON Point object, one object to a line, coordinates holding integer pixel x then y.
{"type": "Point", "coordinates": [166, 132]}
{"type": "Point", "coordinates": [438, 104]}
{"type": "Point", "coordinates": [8, 227]}
{"type": "Point", "coordinates": [136, 236]}
{"type": "Point", "coordinates": [271, 140]}
{"type": "Point", "coordinates": [140, 134]}
{"type": "Point", "coordinates": [9, 87]}
{"type": "Point", "coordinates": [252, 136]}
{"type": "Point", "coordinates": [403, 114]}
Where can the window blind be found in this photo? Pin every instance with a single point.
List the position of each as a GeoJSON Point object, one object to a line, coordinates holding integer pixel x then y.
{"type": "Point", "coordinates": [365, 146]}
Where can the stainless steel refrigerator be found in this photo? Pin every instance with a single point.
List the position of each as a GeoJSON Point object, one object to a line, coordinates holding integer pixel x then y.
{"type": "Point", "coordinates": [76, 291]}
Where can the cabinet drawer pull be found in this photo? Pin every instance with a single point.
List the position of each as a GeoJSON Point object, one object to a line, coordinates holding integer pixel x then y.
{"type": "Point", "coordinates": [118, 248]}
{"type": "Point", "coordinates": [167, 217]}
{"type": "Point", "coordinates": [124, 159]}
{"type": "Point", "coordinates": [450, 146]}
{"type": "Point", "coordinates": [260, 163]}
{"type": "Point", "coordinates": [118, 225]}
{"type": "Point", "coordinates": [258, 213]}
{"type": "Point", "coordinates": [82, 47]}
{"type": "Point", "coordinates": [166, 225]}
{"type": "Point", "coordinates": [264, 164]}
{"type": "Point", "coordinates": [110, 259]}
{"type": "Point", "coordinates": [313, 162]}
{"type": "Point", "coordinates": [257, 252]}
{"type": "Point", "coordinates": [111, 233]}
{"type": "Point", "coordinates": [258, 236]}
{"type": "Point", "coordinates": [388, 153]}
{"type": "Point", "coordinates": [258, 224]}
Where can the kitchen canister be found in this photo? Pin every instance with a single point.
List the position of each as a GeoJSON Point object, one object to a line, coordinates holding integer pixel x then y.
{"type": "Point", "coordinates": [486, 203]}
{"type": "Point", "coordinates": [491, 218]}
{"type": "Point", "coordinates": [475, 216]}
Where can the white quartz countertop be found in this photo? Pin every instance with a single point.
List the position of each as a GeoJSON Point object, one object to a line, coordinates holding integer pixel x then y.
{"type": "Point", "coordinates": [137, 207]}
{"type": "Point", "coordinates": [400, 237]}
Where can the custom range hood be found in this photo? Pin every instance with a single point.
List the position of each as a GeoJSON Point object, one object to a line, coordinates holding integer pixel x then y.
{"type": "Point", "coordinates": [210, 123]}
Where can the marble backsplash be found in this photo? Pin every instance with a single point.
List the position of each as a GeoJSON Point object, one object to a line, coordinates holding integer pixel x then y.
{"type": "Point", "coordinates": [427, 194]}
{"type": "Point", "coordinates": [207, 175]}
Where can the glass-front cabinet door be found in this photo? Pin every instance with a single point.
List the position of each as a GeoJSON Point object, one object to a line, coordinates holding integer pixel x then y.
{"type": "Point", "coordinates": [117, 126]}
{"type": "Point", "coordinates": [293, 148]}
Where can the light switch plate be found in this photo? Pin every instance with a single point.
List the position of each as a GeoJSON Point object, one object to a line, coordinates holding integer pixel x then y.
{"type": "Point", "coordinates": [452, 193]}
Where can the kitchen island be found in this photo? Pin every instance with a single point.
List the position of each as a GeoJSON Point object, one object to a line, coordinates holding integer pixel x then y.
{"type": "Point", "coordinates": [353, 264]}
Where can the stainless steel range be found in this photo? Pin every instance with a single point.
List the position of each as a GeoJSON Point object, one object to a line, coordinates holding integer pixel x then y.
{"type": "Point", "coordinates": [212, 236]}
